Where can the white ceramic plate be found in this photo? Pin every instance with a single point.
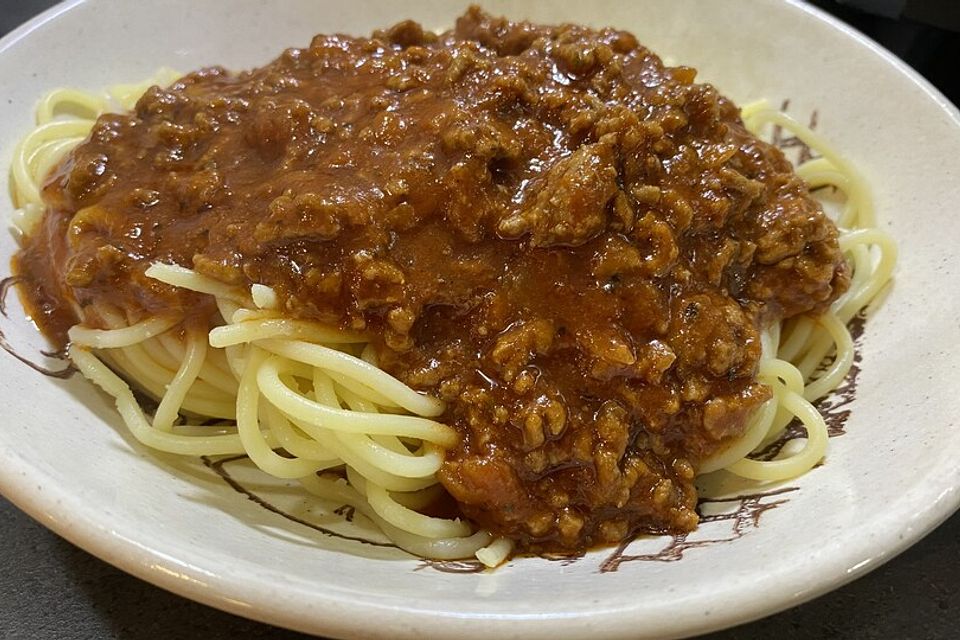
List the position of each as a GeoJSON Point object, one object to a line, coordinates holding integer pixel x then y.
{"type": "Point", "coordinates": [65, 459]}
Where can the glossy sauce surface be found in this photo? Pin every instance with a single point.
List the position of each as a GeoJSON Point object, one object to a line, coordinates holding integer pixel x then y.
{"type": "Point", "coordinates": [572, 245]}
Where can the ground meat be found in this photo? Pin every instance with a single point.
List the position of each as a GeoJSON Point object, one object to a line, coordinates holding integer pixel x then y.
{"type": "Point", "coordinates": [571, 205]}
{"type": "Point", "coordinates": [573, 245]}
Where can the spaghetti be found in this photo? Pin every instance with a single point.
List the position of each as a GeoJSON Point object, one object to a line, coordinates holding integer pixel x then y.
{"type": "Point", "coordinates": [306, 401]}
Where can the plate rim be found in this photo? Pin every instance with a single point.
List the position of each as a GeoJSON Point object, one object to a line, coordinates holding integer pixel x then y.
{"type": "Point", "coordinates": [337, 615]}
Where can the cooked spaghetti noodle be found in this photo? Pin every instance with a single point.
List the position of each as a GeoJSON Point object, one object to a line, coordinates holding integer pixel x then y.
{"type": "Point", "coordinates": [308, 402]}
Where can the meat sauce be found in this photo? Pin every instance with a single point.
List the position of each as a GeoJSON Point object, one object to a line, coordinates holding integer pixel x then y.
{"type": "Point", "coordinates": [571, 244]}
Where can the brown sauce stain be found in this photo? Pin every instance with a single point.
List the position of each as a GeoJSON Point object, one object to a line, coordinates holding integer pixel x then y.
{"type": "Point", "coordinates": [834, 407]}
{"type": "Point", "coordinates": [451, 566]}
{"type": "Point", "coordinates": [219, 467]}
{"type": "Point", "coordinates": [779, 140]}
{"type": "Point", "coordinates": [346, 512]}
{"type": "Point", "coordinates": [564, 560]}
{"type": "Point", "coordinates": [6, 285]}
{"type": "Point", "coordinates": [743, 518]}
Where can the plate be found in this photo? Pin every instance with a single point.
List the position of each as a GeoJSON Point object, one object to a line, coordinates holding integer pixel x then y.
{"type": "Point", "coordinates": [219, 534]}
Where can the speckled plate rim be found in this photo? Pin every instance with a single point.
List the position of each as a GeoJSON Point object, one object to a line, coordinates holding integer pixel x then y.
{"type": "Point", "coordinates": [341, 616]}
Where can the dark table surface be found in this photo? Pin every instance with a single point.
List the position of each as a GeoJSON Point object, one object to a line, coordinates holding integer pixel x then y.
{"type": "Point", "coordinates": [51, 589]}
